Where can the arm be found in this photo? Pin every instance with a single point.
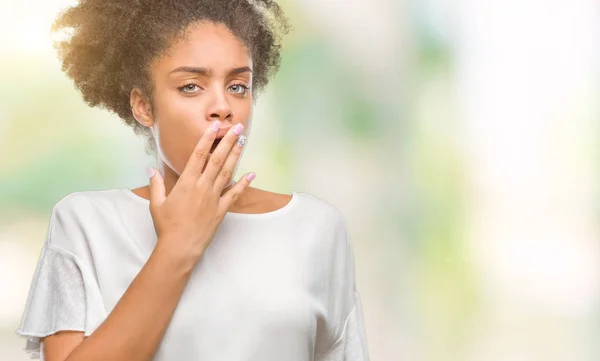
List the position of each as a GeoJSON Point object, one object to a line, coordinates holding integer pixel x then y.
{"type": "Point", "coordinates": [344, 328]}
{"type": "Point", "coordinates": [185, 222]}
{"type": "Point", "coordinates": [135, 327]}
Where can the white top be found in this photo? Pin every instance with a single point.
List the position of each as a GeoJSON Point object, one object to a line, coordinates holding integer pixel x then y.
{"type": "Point", "coordinates": [271, 286]}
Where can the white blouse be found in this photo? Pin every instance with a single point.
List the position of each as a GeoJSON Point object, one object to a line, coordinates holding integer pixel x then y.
{"type": "Point", "coordinates": [271, 286]}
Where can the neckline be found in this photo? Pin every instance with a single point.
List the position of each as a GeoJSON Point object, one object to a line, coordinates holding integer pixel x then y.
{"type": "Point", "coordinates": [289, 205]}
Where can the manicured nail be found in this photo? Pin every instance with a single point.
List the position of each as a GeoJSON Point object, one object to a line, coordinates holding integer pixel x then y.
{"type": "Point", "coordinates": [237, 129]}
{"type": "Point", "coordinates": [150, 172]}
{"type": "Point", "coordinates": [250, 177]}
{"type": "Point", "coordinates": [215, 126]}
{"type": "Point", "coordinates": [242, 141]}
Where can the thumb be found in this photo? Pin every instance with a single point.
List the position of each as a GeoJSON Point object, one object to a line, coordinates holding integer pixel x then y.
{"type": "Point", "coordinates": [157, 187]}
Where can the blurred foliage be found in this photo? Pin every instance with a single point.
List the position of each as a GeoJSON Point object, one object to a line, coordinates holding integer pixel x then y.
{"type": "Point", "coordinates": [53, 149]}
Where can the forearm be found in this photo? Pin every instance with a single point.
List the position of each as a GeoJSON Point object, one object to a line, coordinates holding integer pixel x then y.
{"type": "Point", "coordinates": [136, 326]}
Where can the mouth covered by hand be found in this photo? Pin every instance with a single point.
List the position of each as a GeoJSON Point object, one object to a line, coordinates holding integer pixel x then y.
{"type": "Point", "coordinates": [215, 144]}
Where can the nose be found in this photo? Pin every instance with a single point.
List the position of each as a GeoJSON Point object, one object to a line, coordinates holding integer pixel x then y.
{"type": "Point", "coordinates": [219, 109]}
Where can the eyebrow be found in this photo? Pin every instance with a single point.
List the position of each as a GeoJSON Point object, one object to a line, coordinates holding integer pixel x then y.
{"type": "Point", "coordinates": [207, 72]}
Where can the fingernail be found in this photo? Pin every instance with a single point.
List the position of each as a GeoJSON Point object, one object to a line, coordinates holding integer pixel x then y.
{"type": "Point", "coordinates": [250, 177]}
{"type": "Point", "coordinates": [242, 141]}
{"type": "Point", "coordinates": [237, 130]}
{"type": "Point", "coordinates": [150, 172]}
{"type": "Point", "coordinates": [215, 126]}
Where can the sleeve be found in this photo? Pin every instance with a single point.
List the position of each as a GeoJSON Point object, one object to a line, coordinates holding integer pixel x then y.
{"type": "Point", "coordinates": [63, 294]}
{"type": "Point", "coordinates": [350, 342]}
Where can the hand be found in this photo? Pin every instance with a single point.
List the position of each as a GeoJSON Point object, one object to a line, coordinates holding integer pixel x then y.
{"type": "Point", "coordinates": [188, 218]}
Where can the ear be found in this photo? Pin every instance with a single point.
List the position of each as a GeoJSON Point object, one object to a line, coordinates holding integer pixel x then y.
{"type": "Point", "coordinates": [140, 108]}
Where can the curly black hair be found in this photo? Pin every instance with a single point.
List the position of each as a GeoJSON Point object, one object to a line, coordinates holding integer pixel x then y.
{"type": "Point", "coordinates": [113, 42]}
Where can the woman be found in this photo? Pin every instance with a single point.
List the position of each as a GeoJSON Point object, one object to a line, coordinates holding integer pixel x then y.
{"type": "Point", "coordinates": [192, 266]}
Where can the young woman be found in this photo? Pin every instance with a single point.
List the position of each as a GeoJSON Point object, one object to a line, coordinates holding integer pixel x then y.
{"type": "Point", "coordinates": [192, 266]}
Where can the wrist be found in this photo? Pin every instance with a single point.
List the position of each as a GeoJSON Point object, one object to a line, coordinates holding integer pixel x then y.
{"type": "Point", "coordinates": [174, 258]}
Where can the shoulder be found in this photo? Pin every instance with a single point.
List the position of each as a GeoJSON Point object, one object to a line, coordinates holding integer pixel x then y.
{"type": "Point", "coordinates": [78, 203]}
{"type": "Point", "coordinates": [327, 220]}
{"type": "Point", "coordinates": [75, 215]}
{"type": "Point", "coordinates": [321, 208]}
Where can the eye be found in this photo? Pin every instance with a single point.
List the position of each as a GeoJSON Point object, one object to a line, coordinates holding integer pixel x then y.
{"type": "Point", "coordinates": [188, 88]}
{"type": "Point", "coordinates": [240, 88]}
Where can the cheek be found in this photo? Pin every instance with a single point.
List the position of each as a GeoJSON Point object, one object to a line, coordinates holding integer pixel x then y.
{"type": "Point", "coordinates": [173, 108]}
{"type": "Point", "coordinates": [176, 136]}
{"type": "Point", "coordinates": [175, 154]}
{"type": "Point", "coordinates": [249, 113]}
{"type": "Point", "coordinates": [243, 113]}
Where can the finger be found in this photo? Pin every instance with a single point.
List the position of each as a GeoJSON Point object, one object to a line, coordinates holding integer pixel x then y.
{"type": "Point", "coordinates": [157, 188]}
{"type": "Point", "coordinates": [220, 154]}
{"type": "Point", "coordinates": [200, 154]}
{"type": "Point", "coordinates": [232, 195]}
{"type": "Point", "coordinates": [224, 177]}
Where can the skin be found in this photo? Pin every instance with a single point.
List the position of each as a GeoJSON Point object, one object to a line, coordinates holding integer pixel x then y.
{"type": "Point", "coordinates": [178, 118]}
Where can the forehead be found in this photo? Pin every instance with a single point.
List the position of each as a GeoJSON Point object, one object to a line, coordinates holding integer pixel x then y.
{"type": "Point", "coordinates": [208, 45]}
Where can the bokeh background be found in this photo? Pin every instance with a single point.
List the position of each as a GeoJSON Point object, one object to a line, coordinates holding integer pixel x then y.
{"type": "Point", "coordinates": [459, 138]}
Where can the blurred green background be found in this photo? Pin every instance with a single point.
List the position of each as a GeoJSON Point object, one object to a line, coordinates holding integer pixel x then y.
{"type": "Point", "coordinates": [460, 140]}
